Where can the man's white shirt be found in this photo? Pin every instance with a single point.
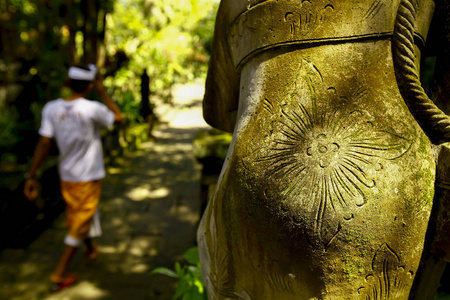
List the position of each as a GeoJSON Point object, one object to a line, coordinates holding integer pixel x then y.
{"type": "Point", "coordinates": [75, 125]}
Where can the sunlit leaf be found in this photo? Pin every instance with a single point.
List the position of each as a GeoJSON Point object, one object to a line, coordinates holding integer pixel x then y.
{"type": "Point", "coordinates": [164, 271]}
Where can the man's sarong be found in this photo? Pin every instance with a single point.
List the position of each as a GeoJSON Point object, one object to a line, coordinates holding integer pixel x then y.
{"type": "Point", "coordinates": [82, 200]}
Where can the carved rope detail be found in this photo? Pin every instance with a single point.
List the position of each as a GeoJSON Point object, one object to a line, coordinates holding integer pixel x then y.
{"type": "Point", "coordinates": [433, 121]}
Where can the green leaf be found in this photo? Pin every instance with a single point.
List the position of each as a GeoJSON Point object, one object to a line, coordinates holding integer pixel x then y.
{"type": "Point", "coordinates": [179, 270]}
{"type": "Point", "coordinates": [200, 286]}
{"type": "Point", "coordinates": [192, 256]}
{"type": "Point", "coordinates": [165, 271]}
{"type": "Point", "coordinates": [195, 271]}
{"type": "Point", "coordinates": [182, 288]}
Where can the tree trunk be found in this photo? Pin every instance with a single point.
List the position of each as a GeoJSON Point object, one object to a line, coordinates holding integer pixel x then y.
{"type": "Point", "coordinates": [71, 20]}
{"type": "Point", "coordinates": [90, 36]}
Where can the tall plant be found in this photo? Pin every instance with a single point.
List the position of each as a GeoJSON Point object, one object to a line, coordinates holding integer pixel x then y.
{"type": "Point", "coordinates": [190, 282]}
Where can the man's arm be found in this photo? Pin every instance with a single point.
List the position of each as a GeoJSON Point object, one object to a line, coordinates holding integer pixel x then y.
{"type": "Point", "coordinates": [40, 153]}
{"type": "Point", "coordinates": [107, 100]}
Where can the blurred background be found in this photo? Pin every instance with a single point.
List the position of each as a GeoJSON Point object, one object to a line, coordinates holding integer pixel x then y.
{"type": "Point", "coordinates": [162, 161]}
{"type": "Point", "coordinates": [142, 47]}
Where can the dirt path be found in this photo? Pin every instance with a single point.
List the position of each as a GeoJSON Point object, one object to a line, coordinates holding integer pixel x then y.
{"type": "Point", "coordinates": [149, 211]}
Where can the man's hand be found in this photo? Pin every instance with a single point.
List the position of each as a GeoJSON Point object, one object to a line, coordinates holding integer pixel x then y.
{"type": "Point", "coordinates": [98, 82]}
{"type": "Point", "coordinates": [31, 189]}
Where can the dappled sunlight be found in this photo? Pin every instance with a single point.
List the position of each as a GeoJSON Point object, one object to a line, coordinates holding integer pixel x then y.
{"type": "Point", "coordinates": [140, 246]}
{"type": "Point", "coordinates": [159, 193]}
{"type": "Point", "coordinates": [140, 268]}
{"type": "Point", "coordinates": [186, 214]}
{"type": "Point", "coordinates": [113, 170]}
{"type": "Point", "coordinates": [27, 276]}
{"type": "Point", "coordinates": [108, 250]}
{"type": "Point", "coordinates": [82, 290]}
{"type": "Point", "coordinates": [138, 193]}
{"type": "Point", "coordinates": [159, 205]}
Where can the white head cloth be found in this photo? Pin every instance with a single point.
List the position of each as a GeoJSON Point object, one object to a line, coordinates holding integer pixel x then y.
{"type": "Point", "coordinates": [82, 74]}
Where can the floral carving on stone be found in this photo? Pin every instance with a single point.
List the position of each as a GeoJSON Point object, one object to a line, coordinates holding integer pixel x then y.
{"type": "Point", "coordinates": [322, 161]}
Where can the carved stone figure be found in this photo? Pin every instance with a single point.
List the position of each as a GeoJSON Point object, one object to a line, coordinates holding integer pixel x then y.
{"type": "Point", "coordinates": [328, 185]}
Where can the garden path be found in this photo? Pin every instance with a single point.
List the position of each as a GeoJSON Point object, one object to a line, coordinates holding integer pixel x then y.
{"type": "Point", "coordinates": [149, 210]}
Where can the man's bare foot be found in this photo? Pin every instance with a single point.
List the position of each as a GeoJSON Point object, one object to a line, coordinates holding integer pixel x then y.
{"type": "Point", "coordinates": [58, 283]}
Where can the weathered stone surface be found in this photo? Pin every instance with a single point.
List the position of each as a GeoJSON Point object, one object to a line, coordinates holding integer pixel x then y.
{"type": "Point", "coordinates": [328, 186]}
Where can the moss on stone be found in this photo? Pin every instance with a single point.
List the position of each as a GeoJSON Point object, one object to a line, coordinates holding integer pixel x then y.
{"type": "Point", "coordinates": [424, 142]}
{"type": "Point", "coordinates": [352, 269]}
{"type": "Point", "coordinates": [358, 238]}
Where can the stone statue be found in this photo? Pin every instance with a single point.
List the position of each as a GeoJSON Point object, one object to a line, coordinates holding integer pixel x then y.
{"type": "Point", "coordinates": [328, 186]}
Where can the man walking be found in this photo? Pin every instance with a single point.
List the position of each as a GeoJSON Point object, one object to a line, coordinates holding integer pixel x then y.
{"type": "Point", "coordinates": [75, 122]}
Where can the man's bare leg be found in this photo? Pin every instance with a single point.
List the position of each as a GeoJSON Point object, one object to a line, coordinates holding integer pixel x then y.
{"type": "Point", "coordinates": [59, 274]}
{"type": "Point", "coordinates": [91, 248]}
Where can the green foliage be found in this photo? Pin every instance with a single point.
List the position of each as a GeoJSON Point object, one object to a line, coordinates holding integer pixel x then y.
{"type": "Point", "coordinates": [190, 282]}
{"type": "Point", "coordinates": [212, 143]}
{"type": "Point", "coordinates": [128, 105]}
{"type": "Point", "coordinates": [40, 39]}
{"type": "Point", "coordinates": [168, 38]}
{"type": "Point", "coordinates": [35, 42]}
{"type": "Point", "coordinates": [8, 127]}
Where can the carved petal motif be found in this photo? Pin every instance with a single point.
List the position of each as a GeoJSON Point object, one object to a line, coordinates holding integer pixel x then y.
{"type": "Point", "coordinates": [389, 280]}
{"type": "Point", "coordinates": [323, 162]}
{"type": "Point", "coordinates": [309, 17]}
